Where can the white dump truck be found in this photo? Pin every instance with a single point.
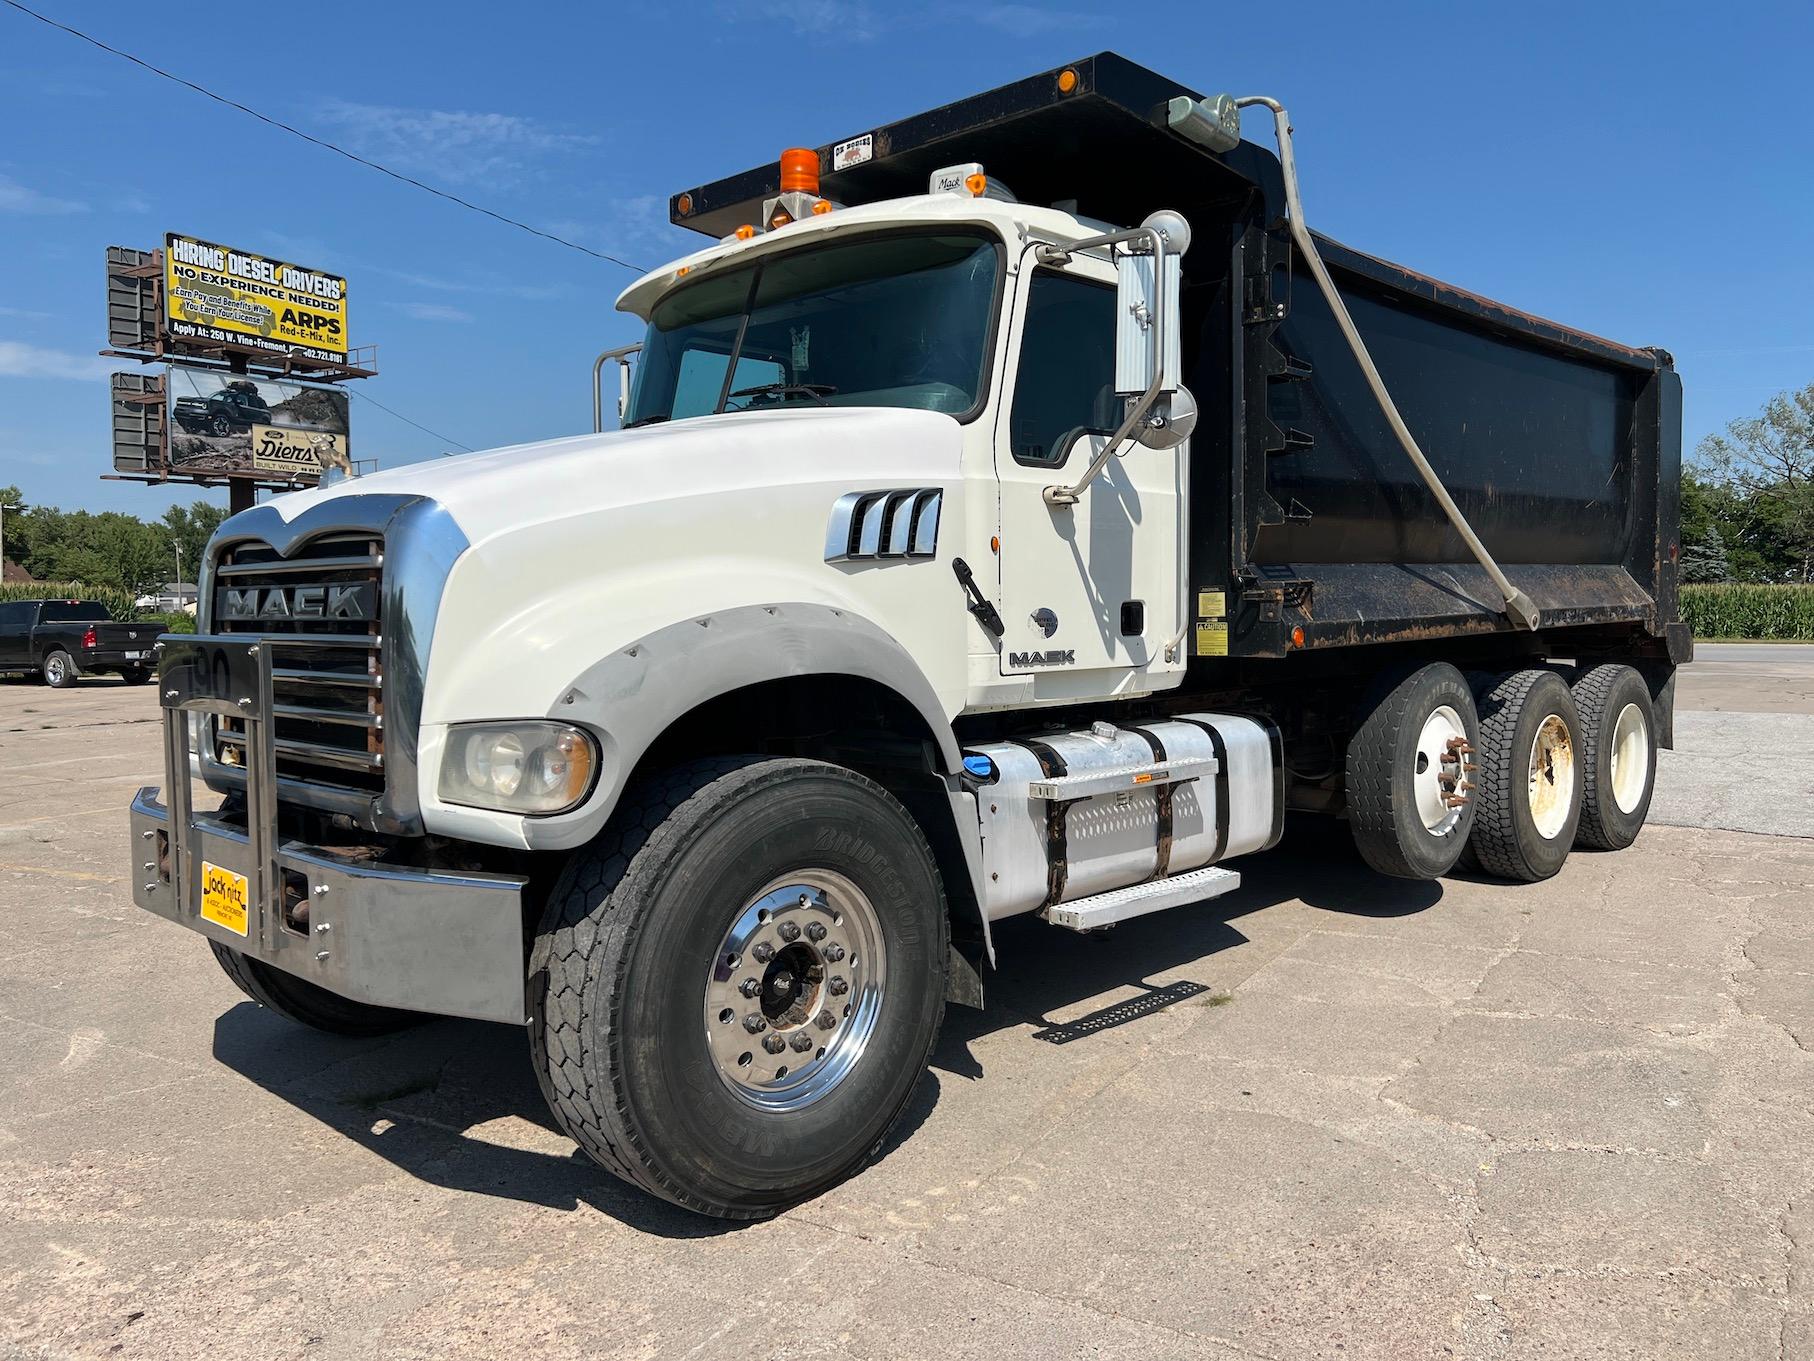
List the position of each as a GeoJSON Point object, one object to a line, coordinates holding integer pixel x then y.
{"type": "Point", "coordinates": [1015, 510]}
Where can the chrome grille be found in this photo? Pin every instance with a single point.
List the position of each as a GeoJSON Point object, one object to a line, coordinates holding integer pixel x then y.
{"type": "Point", "coordinates": [327, 674]}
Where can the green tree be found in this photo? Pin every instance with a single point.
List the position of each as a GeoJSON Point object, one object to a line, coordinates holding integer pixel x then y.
{"type": "Point", "coordinates": [1767, 462]}
{"type": "Point", "coordinates": [1705, 559]}
{"type": "Point", "coordinates": [189, 528]}
{"type": "Point", "coordinates": [109, 549]}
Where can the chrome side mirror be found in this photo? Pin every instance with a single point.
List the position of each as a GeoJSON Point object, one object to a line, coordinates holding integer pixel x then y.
{"type": "Point", "coordinates": [1170, 422]}
{"type": "Point", "coordinates": [620, 357]}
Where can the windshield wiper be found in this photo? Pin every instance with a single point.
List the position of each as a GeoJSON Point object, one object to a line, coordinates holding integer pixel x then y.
{"type": "Point", "coordinates": [817, 391]}
{"type": "Point", "coordinates": [644, 420]}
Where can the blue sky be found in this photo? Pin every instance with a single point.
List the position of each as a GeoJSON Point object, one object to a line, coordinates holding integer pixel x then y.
{"type": "Point", "coordinates": [1642, 171]}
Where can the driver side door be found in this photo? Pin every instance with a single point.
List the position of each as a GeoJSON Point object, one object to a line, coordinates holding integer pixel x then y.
{"type": "Point", "coordinates": [1089, 592]}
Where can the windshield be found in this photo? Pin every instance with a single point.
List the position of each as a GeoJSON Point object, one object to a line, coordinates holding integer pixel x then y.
{"type": "Point", "coordinates": [896, 320]}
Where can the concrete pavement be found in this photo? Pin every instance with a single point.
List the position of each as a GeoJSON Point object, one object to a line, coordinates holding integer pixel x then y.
{"type": "Point", "coordinates": [1399, 1120]}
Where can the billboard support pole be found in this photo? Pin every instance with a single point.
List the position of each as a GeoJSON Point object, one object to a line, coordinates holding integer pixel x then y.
{"type": "Point", "coordinates": [241, 493]}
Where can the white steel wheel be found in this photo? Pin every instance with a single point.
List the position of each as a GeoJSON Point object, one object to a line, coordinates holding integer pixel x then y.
{"type": "Point", "coordinates": [1437, 772]}
{"type": "Point", "coordinates": [1551, 778]}
{"type": "Point", "coordinates": [792, 997]}
{"type": "Point", "coordinates": [1618, 755]}
{"type": "Point", "coordinates": [1630, 758]}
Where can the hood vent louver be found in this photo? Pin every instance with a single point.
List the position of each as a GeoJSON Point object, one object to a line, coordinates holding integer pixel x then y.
{"type": "Point", "coordinates": [901, 523]}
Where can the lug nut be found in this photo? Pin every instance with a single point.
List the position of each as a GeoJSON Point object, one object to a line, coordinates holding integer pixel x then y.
{"type": "Point", "coordinates": [773, 1043]}
{"type": "Point", "coordinates": [750, 987]}
{"type": "Point", "coordinates": [834, 953]}
{"type": "Point", "coordinates": [827, 1020]}
{"type": "Point", "coordinates": [754, 1024]}
{"type": "Point", "coordinates": [762, 951]}
{"type": "Point", "coordinates": [838, 985]}
{"type": "Point", "coordinates": [801, 1042]}
{"type": "Point", "coordinates": [789, 931]}
{"type": "Point", "coordinates": [815, 932]}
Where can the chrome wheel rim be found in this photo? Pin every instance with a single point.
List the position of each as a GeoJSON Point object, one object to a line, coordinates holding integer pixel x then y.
{"type": "Point", "coordinates": [794, 994]}
{"type": "Point", "coordinates": [1436, 777]}
{"type": "Point", "coordinates": [1552, 776]}
{"type": "Point", "coordinates": [53, 671]}
{"type": "Point", "coordinates": [1630, 758]}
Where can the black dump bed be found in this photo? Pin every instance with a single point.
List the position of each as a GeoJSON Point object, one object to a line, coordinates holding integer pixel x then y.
{"type": "Point", "coordinates": [1561, 448]}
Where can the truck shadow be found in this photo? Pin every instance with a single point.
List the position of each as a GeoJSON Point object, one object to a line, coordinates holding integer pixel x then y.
{"type": "Point", "coordinates": [455, 1103]}
{"type": "Point", "coordinates": [1045, 971]}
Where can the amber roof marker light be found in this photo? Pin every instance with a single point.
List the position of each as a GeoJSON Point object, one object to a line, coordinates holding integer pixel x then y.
{"type": "Point", "coordinates": [800, 171]}
{"type": "Point", "coordinates": [1067, 80]}
{"type": "Point", "coordinates": [685, 204]}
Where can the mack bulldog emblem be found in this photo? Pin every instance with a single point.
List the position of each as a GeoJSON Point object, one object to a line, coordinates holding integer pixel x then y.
{"type": "Point", "coordinates": [352, 600]}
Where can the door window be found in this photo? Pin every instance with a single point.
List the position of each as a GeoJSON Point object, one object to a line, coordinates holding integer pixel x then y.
{"type": "Point", "coordinates": [1066, 381]}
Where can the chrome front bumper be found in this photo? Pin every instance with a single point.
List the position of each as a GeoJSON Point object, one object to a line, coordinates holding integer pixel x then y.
{"type": "Point", "coordinates": [438, 941]}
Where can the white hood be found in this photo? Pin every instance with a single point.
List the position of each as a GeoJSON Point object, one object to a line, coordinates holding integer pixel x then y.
{"type": "Point", "coordinates": [501, 491]}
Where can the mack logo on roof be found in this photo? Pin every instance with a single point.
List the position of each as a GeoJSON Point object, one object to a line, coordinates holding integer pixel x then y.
{"type": "Point", "coordinates": [353, 600]}
{"type": "Point", "coordinates": [1054, 657]}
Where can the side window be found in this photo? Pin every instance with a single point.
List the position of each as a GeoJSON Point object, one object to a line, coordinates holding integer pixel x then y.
{"type": "Point", "coordinates": [1066, 380]}
{"type": "Point", "coordinates": [14, 618]}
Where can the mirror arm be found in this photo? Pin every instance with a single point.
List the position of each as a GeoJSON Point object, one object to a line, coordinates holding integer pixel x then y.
{"type": "Point", "coordinates": [620, 356]}
{"type": "Point", "coordinates": [1142, 406]}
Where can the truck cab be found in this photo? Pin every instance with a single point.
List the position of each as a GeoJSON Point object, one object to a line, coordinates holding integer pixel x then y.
{"type": "Point", "coordinates": [1015, 510]}
{"type": "Point", "coordinates": [938, 303]}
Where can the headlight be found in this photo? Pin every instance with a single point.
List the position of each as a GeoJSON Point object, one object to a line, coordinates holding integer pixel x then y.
{"type": "Point", "coordinates": [517, 767]}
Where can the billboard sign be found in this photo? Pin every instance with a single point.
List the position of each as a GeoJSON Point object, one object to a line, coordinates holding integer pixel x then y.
{"type": "Point", "coordinates": [132, 298]}
{"type": "Point", "coordinates": [214, 294]}
{"type": "Point", "coordinates": [232, 424]}
{"type": "Point", "coordinates": [138, 422]}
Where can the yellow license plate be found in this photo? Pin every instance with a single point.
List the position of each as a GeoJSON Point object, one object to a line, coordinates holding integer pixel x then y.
{"type": "Point", "coordinates": [224, 895]}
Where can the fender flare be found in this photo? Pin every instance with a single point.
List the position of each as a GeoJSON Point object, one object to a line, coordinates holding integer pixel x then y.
{"type": "Point", "coordinates": [631, 697]}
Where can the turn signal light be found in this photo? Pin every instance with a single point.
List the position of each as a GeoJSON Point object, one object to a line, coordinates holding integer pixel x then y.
{"type": "Point", "coordinates": [90, 638]}
{"type": "Point", "coordinates": [745, 232]}
{"type": "Point", "coordinates": [799, 171]}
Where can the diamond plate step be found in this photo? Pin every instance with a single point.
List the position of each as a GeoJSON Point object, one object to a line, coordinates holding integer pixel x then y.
{"type": "Point", "coordinates": [1105, 909]}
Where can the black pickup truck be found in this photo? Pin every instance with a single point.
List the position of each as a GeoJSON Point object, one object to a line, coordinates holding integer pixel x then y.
{"type": "Point", "coordinates": [61, 640]}
{"type": "Point", "coordinates": [233, 410]}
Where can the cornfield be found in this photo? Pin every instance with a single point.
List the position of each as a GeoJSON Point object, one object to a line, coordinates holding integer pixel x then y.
{"type": "Point", "coordinates": [120, 602]}
{"type": "Point", "coordinates": [1782, 613]}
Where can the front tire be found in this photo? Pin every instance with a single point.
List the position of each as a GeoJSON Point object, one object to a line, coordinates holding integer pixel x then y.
{"type": "Point", "coordinates": [690, 960]}
{"type": "Point", "coordinates": [1618, 755]}
{"type": "Point", "coordinates": [297, 999]}
{"type": "Point", "coordinates": [1407, 770]}
{"type": "Point", "coordinates": [60, 670]}
{"type": "Point", "coordinates": [1530, 776]}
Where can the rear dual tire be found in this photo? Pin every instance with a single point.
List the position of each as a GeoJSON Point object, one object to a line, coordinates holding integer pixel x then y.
{"type": "Point", "coordinates": [1618, 755]}
{"type": "Point", "coordinates": [1529, 783]}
